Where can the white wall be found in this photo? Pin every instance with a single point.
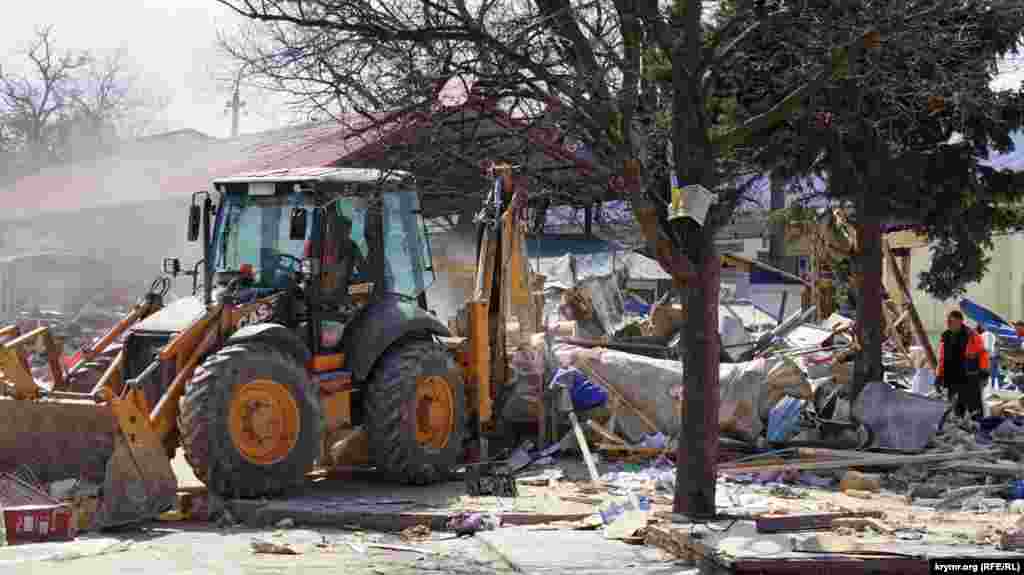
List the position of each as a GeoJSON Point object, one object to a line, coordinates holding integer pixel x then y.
{"type": "Point", "coordinates": [1001, 290]}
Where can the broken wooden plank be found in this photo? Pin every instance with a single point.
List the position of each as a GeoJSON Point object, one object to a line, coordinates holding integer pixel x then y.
{"type": "Point", "coordinates": [677, 542]}
{"type": "Point", "coordinates": [584, 448]}
{"type": "Point", "coordinates": [806, 521]}
{"type": "Point", "coordinates": [606, 434]}
{"type": "Point", "coordinates": [870, 461]}
{"type": "Point", "coordinates": [861, 523]}
{"type": "Point", "coordinates": [825, 453]}
{"type": "Point", "coordinates": [631, 450]}
{"type": "Point", "coordinates": [915, 319]}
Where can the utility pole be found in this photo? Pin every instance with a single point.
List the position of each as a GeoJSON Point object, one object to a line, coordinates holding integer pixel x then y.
{"type": "Point", "coordinates": [236, 104]}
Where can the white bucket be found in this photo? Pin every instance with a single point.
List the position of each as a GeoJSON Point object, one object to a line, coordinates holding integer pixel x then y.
{"type": "Point", "coordinates": [690, 202]}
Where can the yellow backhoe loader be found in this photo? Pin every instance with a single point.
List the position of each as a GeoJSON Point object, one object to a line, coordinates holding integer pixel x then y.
{"type": "Point", "coordinates": [306, 343]}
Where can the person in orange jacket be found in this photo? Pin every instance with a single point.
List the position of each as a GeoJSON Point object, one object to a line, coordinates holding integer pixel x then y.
{"type": "Point", "coordinates": [963, 365]}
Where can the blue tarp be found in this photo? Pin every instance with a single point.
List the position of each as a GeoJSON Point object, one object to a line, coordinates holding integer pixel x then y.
{"type": "Point", "coordinates": [759, 276]}
{"type": "Point", "coordinates": [636, 306]}
{"type": "Point", "coordinates": [990, 321]}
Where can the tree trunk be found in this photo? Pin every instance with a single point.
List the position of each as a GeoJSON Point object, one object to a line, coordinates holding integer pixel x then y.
{"type": "Point", "coordinates": [869, 303]}
{"type": "Point", "coordinates": [778, 232]}
{"type": "Point", "coordinates": [697, 455]}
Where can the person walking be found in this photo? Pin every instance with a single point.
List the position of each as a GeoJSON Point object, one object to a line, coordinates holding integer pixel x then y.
{"type": "Point", "coordinates": [963, 365]}
{"type": "Point", "coordinates": [989, 340]}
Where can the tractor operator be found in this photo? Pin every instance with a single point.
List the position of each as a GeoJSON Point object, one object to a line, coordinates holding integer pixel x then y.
{"type": "Point", "coordinates": [963, 365]}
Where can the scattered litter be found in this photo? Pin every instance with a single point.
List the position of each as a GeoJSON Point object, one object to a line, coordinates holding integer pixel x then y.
{"type": "Point", "coordinates": [626, 525]}
{"type": "Point", "coordinates": [356, 547]}
{"type": "Point", "coordinates": [63, 489]}
{"type": "Point", "coordinates": [856, 481]}
{"type": "Point", "coordinates": [469, 523]}
{"type": "Point", "coordinates": [784, 419]}
{"type": "Point", "coordinates": [542, 479]}
{"type": "Point", "coordinates": [267, 547]}
{"type": "Point", "coordinates": [655, 441]}
{"type": "Point", "coordinates": [416, 533]}
{"type": "Point", "coordinates": [227, 520]}
{"type": "Point", "coordinates": [617, 509]}
{"type": "Point", "coordinates": [285, 523]}
{"type": "Point", "coordinates": [519, 459]}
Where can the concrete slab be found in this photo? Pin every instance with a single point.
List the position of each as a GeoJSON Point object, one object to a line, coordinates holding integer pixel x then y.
{"type": "Point", "coordinates": [86, 546]}
{"type": "Point", "coordinates": [204, 551]}
{"type": "Point", "coordinates": [368, 502]}
{"type": "Point", "coordinates": [535, 552]}
{"type": "Point", "coordinates": [363, 499]}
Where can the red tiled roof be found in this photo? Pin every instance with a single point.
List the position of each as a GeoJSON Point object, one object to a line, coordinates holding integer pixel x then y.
{"type": "Point", "coordinates": [181, 163]}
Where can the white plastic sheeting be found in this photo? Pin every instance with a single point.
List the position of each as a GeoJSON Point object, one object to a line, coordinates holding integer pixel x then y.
{"type": "Point", "coordinates": [561, 272]}
{"type": "Point", "coordinates": [747, 391]}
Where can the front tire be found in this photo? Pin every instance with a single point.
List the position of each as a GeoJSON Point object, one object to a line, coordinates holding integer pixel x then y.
{"type": "Point", "coordinates": [415, 412]}
{"type": "Point", "coordinates": [250, 422]}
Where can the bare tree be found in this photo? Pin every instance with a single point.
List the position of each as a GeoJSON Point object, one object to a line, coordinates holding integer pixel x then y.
{"type": "Point", "coordinates": [104, 105]}
{"type": "Point", "coordinates": [67, 104]}
{"type": "Point", "coordinates": [33, 100]}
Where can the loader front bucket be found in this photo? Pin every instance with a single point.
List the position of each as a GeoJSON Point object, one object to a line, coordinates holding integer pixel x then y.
{"type": "Point", "coordinates": [137, 487]}
{"type": "Point", "coordinates": [57, 439]}
{"type": "Point", "coordinates": [80, 439]}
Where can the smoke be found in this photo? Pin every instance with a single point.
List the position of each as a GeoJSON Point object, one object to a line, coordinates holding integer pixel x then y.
{"type": "Point", "coordinates": [454, 255]}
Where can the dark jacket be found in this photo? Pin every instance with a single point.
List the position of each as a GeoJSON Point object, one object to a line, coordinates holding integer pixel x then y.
{"type": "Point", "coordinates": [962, 355]}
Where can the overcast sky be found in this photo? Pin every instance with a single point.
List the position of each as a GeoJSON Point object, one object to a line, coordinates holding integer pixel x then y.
{"type": "Point", "coordinates": [171, 46]}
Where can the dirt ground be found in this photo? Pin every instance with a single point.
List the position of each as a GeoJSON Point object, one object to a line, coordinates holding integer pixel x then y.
{"type": "Point", "coordinates": [208, 550]}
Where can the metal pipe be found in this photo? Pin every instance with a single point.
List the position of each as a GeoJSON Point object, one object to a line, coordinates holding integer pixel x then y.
{"type": "Point", "coordinates": [207, 252]}
{"type": "Point", "coordinates": [103, 391]}
{"type": "Point", "coordinates": [785, 327]}
{"type": "Point", "coordinates": [25, 338]}
{"type": "Point", "coordinates": [765, 266]}
{"type": "Point", "coordinates": [114, 332]}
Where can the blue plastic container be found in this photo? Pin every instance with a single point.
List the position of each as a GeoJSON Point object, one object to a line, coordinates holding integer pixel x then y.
{"type": "Point", "coordinates": [1017, 491]}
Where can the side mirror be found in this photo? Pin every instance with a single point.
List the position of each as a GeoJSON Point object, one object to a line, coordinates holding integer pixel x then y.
{"type": "Point", "coordinates": [298, 224]}
{"type": "Point", "coordinates": [172, 267]}
{"type": "Point", "coordinates": [194, 213]}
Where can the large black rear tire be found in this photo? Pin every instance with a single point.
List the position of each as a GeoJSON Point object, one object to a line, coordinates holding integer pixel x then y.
{"type": "Point", "coordinates": [398, 394]}
{"type": "Point", "coordinates": [217, 458]}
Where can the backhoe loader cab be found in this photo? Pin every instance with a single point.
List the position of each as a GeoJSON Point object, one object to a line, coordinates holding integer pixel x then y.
{"type": "Point", "coordinates": [367, 222]}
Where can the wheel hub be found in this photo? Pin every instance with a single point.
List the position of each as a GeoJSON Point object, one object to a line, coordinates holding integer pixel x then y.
{"type": "Point", "coordinates": [435, 412]}
{"type": "Point", "coordinates": [264, 421]}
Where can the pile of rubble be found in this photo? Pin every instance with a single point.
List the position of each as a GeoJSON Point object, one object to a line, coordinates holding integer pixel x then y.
{"type": "Point", "coordinates": [796, 452]}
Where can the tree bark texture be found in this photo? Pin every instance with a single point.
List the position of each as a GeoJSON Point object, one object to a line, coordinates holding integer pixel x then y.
{"type": "Point", "coordinates": [869, 305]}
{"type": "Point", "coordinates": [697, 455]}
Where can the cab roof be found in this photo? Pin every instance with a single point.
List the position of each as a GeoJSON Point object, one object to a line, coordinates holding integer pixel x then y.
{"type": "Point", "coordinates": [316, 174]}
